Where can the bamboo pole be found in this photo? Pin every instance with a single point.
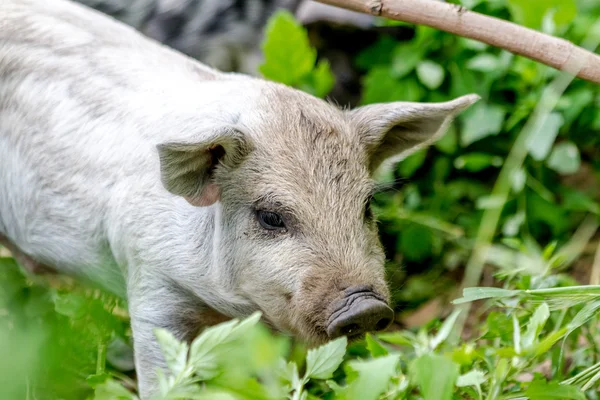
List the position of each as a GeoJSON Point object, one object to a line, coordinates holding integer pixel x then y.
{"type": "Point", "coordinates": [555, 52]}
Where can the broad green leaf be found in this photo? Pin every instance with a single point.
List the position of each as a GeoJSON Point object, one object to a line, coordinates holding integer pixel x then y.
{"type": "Point", "coordinates": [484, 62]}
{"type": "Point", "coordinates": [399, 338]}
{"type": "Point", "coordinates": [474, 377]}
{"type": "Point", "coordinates": [380, 86]}
{"type": "Point", "coordinates": [476, 162]}
{"type": "Point", "coordinates": [322, 79]}
{"type": "Point", "coordinates": [430, 74]}
{"type": "Point", "coordinates": [374, 347]}
{"type": "Point", "coordinates": [448, 143]}
{"type": "Point", "coordinates": [416, 242]}
{"type": "Point", "coordinates": [575, 102]}
{"type": "Point", "coordinates": [498, 325]}
{"type": "Point", "coordinates": [540, 390]}
{"type": "Point", "coordinates": [245, 325]}
{"type": "Point", "coordinates": [480, 121]}
{"type": "Point", "coordinates": [73, 305]}
{"type": "Point", "coordinates": [565, 158]}
{"type": "Point", "coordinates": [378, 54]}
{"type": "Point", "coordinates": [324, 360]}
{"type": "Point", "coordinates": [531, 12]}
{"type": "Point", "coordinates": [209, 339]}
{"type": "Point", "coordinates": [373, 377]}
{"type": "Point", "coordinates": [435, 375]}
{"type": "Point", "coordinates": [287, 51]}
{"type": "Point", "coordinates": [174, 351]}
{"type": "Point", "coordinates": [541, 140]}
{"type": "Point", "coordinates": [464, 355]}
{"type": "Point", "coordinates": [288, 372]}
{"type": "Point", "coordinates": [518, 179]}
{"type": "Point", "coordinates": [535, 325]}
{"type": "Point", "coordinates": [405, 59]}
{"type": "Point", "coordinates": [470, 3]}
{"type": "Point", "coordinates": [412, 163]}
{"type": "Point", "coordinates": [112, 390]}
{"type": "Point", "coordinates": [205, 349]}
{"type": "Point", "coordinates": [513, 224]}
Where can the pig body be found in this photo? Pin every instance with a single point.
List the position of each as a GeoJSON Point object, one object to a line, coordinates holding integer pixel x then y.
{"type": "Point", "coordinates": [196, 194]}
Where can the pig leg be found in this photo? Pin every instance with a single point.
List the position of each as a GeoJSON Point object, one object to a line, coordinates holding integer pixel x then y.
{"type": "Point", "coordinates": [165, 306]}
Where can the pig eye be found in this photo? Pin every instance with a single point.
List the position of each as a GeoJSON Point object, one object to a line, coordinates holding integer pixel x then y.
{"type": "Point", "coordinates": [270, 220]}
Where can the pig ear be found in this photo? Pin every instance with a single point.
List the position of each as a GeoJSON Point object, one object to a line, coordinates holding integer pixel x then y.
{"type": "Point", "coordinates": [392, 131]}
{"type": "Point", "coordinates": [187, 169]}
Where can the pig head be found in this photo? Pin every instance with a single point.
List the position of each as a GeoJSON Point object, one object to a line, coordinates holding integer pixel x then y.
{"type": "Point", "coordinates": [293, 179]}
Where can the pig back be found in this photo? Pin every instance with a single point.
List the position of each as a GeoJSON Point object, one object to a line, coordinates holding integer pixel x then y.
{"type": "Point", "coordinates": [83, 103]}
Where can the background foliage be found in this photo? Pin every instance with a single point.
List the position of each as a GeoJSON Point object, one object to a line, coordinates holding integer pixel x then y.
{"type": "Point", "coordinates": [533, 336]}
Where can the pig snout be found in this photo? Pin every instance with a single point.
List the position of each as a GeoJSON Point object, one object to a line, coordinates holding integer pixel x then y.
{"type": "Point", "coordinates": [360, 310]}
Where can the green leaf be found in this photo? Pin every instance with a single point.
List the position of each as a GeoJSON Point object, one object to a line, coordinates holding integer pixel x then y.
{"type": "Point", "coordinates": [112, 390]}
{"type": "Point", "coordinates": [430, 74]}
{"type": "Point", "coordinates": [513, 224]}
{"type": "Point", "coordinates": [322, 79]}
{"type": "Point", "coordinates": [499, 325]}
{"type": "Point", "coordinates": [474, 377]}
{"type": "Point", "coordinates": [476, 162]}
{"type": "Point", "coordinates": [380, 86]}
{"type": "Point", "coordinates": [535, 325]}
{"type": "Point", "coordinates": [324, 360]}
{"type": "Point", "coordinates": [484, 62]}
{"type": "Point", "coordinates": [405, 59]}
{"type": "Point", "coordinates": [540, 390]}
{"type": "Point", "coordinates": [546, 343]}
{"type": "Point", "coordinates": [541, 140]}
{"type": "Point", "coordinates": [565, 158]}
{"type": "Point", "coordinates": [416, 242]}
{"type": "Point", "coordinates": [373, 377]}
{"type": "Point", "coordinates": [374, 347]}
{"type": "Point", "coordinates": [448, 143]}
{"type": "Point", "coordinates": [578, 201]}
{"type": "Point", "coordinates": [288, 372]}
{"type": "Point", "coordinates": [412, 163]}
{"type": "Point", "coordinates": [378, 54]}
{"type": "Point", "coordinates": [435, 376]}
{"type": "Point", "coordinates": [287, 51]}
{"type": "Point", "coordinates": [205, 349]}
{"type": "Point", "coordinates": [480, 293]}
{"type": "Point", "coordinates": [399, 338]}
{"type": "Point", "coordinates": [72, 305]}
{"type": "Point", "coordinates": [518, 179]}
{"type": "Point", "coordinates": [444, 330]}
{"type": "Point", "coordinates": [480, 121]}
{"type": "Point", "coordinates": [174, 351]}
{"type": "Point", "coordinates": [531, 12]}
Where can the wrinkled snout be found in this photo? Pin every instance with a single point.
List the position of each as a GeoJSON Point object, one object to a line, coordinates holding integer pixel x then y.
{"type": "Point", "coordinates": [361, 310]}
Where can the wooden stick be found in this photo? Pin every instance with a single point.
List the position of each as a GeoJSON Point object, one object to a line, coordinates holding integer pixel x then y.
{"type": "Point", "coordinates": [557, 53]}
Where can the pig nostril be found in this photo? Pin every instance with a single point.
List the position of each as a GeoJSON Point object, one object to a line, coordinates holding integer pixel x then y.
{"type": "Point", "coordinates": [382, 324]}
{"type": "Point", "coordinates": [357, 313]}
{"type": "Point", "coordinates": [350, 330]}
